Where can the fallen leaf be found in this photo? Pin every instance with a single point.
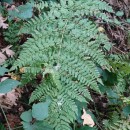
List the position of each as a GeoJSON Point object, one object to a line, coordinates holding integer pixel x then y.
{"type": "Point", "coordinates": [12, 97]}
{"type": "Point", "coordinates": [22, 70]}
{"type": "Point", "coordinates": [101, 29]}
{"type": "Point", "coordinates": [2, 57]}
{"type": "Point", "coordinates": [13, 120]}
{"type": "Point", "coordinates": [4, 78]}
{"type": "Point", "coordinates": [14, 76]}
{"type": "Point", "coordinates": [8, 51]}
{"type": "Point", "coordinates": [87, 119]}
{"type": "Point", "coordinates": [9, 99]}
{"type": "Point", "coordinates": [2, 24]}
{"type": "Point", "coordinates": [13, 7]}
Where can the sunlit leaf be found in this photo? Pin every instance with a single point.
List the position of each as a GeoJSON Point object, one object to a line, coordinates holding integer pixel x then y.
{"type": "Point", "coordinates": [26, 116]}
{"type": "Point", "coordinates": [8, 85]}
{"type": "Point", "coordinates": [3, 70]}
{"type": "Point", "coordinates": [40, 110]}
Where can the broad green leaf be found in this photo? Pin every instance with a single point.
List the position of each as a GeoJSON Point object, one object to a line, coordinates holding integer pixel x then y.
{"type": "Point", "coordinates": [119, 13]}
{"type": "Point", "coordinates": [128, 20]}
{"type": "Point", "coordinates": [26, 116]}
{"type": "Point", "coordinates": [40, 110]}
{"type": "Point", "coordinates": [8, 85]}
{"type": "Point", "coordinates": [112, 96]}
{"type": "Point", "coordinates": [126, 110]}
{"type": "Point", "coordinates": [24, 12]}
{"type": "Point", "coordinates": [3, 70]}
{"type": "Point", "coordinates": [102, 88]}
{"type": "Point", "coordinates": [8, 1]}
{"type": "Point", "coordinates": [27, 126]}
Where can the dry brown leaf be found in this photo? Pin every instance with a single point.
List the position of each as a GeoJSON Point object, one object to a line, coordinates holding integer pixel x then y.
{"type": "Point", "coordinates": [101, 29]}
{"type": "Point", "coordinates": [2, 24]}
{"type": "Point", "coordinates": [8, 51]}
{"type": "Point", "coordinates": [13, 120]}
{"type": "Point", "coordinates": [12, 97]}
{"type": "Point", "coordinates": [3, 78]}
{"type": "Point", "coordinates": [2, 57]}
{"type": "Point", "coordinates": [87, 119]}
{"type": "Point", "coordinates": [9, 99]}
{"type": "Point", "coordinates": [14, 76]}
{"type": "Point", "coordinates": [22, 70]}
{"type": "Point", "coordinates": [13, 7]}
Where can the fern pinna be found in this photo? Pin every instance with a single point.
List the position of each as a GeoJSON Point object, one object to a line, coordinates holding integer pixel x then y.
{"type": "Point", "coordinates": [65, 49]}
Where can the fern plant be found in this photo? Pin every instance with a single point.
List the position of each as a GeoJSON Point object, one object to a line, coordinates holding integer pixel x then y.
{"type": "Point", "coordinates": [120, 124]}
{"type": "Point", "coordinates": [11, 34]}
{"type": "Point", "coordinates": [121, 66]}
{"type": "Point", "coordinates": [65, 49]}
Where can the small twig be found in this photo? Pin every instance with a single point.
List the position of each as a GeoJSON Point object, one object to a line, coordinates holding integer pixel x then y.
{"type": "Point", "coordinates": [74, 126]}
{"type": "Point", "coordinates": [5, 117]}
{"type": "Point", "coordinates": [97, 115]}
{"type": "Point", "coordinates": [5, 107]}
{"type": "Point", "coordinates": [17, 127]}
{"type": "Point", "coordinates": [119, 50]}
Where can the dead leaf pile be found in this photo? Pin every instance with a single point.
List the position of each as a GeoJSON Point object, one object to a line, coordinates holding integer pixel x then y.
{"type": "Point", "coordinates": [121, 5]}
{"type": "Point", "coordinates": [13, 120]}
{"type": "Point", "coordinates": [119, 34]}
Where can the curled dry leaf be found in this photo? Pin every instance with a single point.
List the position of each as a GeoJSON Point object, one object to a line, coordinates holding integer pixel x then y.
{"type": "Point", "coordinates": [8, 51]}
{"type": "Point", "coordinates": [87, 119]}
{"type": "Point", "coordinates": [2, 24]}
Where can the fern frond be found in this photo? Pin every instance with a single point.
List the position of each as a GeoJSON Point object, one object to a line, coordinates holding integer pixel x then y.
{"type": "Point", "coordinates": [82, 8]}
{"type": "Point", "coordinates": [41, 5]}
{"type": "Point", "coordinates": [123, 124]}
{"type": "Point", "coordinates": [65, 49]}
{"type": "Point", "coordinates": [11, 34]}
{"type": "Point", "coordinates": [121, 84]}
{"type": "Point", "coordinates": [120, 65]}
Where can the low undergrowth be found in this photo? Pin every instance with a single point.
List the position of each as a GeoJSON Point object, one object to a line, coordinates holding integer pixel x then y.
{"type": "Point", "coordinates": [60, 49]}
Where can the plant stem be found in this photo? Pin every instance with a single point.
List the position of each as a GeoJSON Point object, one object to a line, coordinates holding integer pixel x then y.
{"type": "Point", "coordinates": [17, 127]}
{"type": "Point", "coordinates": [74, 126]}
{"type": "Point", "coordinates": [5, 117]}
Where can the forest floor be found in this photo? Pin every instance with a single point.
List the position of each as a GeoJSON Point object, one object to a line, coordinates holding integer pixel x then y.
{"type": "Point", "coordinates": [117, 35]}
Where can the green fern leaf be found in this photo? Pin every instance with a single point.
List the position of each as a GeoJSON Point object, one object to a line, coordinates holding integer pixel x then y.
{"type": "Point", "coordinates": [65, 49]}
